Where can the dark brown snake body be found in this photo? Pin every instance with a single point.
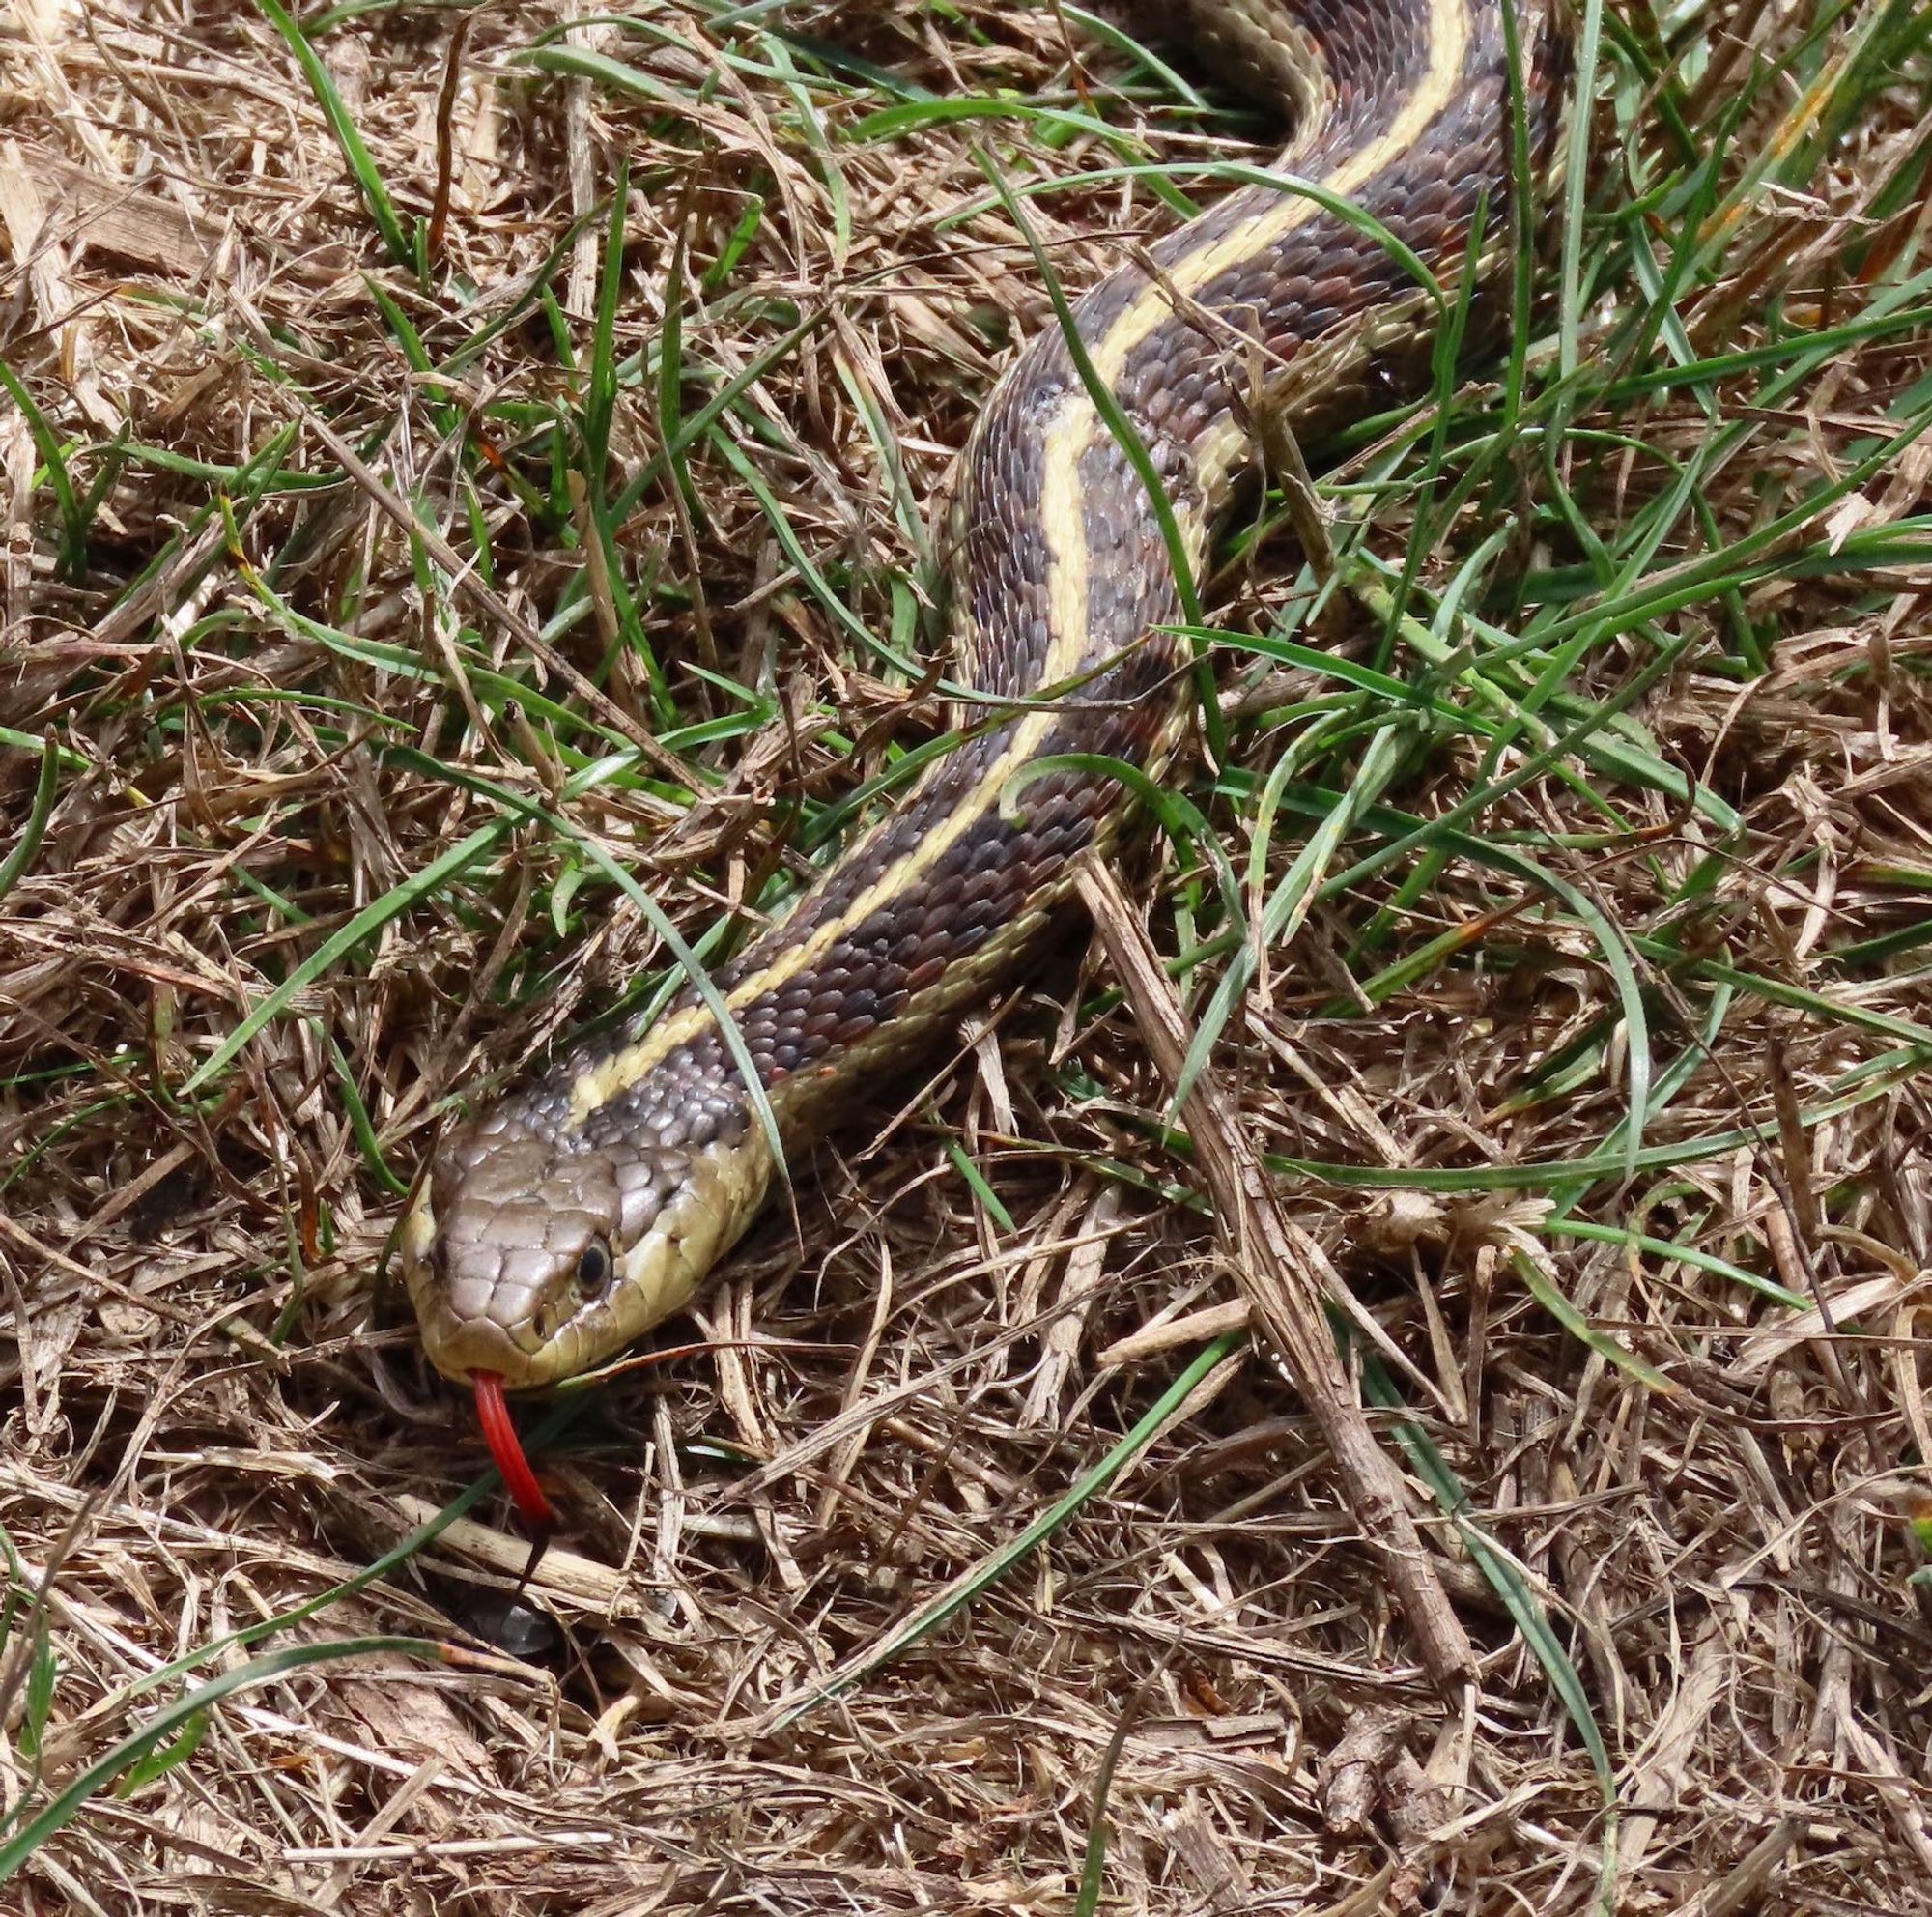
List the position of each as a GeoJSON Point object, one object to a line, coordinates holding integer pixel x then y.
{"type": "Point", "coordinates": [563, 1222]}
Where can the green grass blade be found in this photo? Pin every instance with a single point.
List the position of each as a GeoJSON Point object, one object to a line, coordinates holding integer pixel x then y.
{"type": "Point", "coordinates": [73, 517]}
{"type": "Point", "coordinates": [342, 125]}
{"type": "Point", "coordinates": [40, 809]}
{"type": "Point", "coordinates": [961, 1591]}
{"type": "Point", "coordinates": [174, 1719]}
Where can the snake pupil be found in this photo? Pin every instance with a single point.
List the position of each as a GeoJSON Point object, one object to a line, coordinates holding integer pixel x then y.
{"type": "Point", "coordinates": [593, 1268]}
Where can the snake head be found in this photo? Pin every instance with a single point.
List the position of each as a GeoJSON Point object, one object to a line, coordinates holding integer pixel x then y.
{"type": "Point", "coordinates": [536, 1251]}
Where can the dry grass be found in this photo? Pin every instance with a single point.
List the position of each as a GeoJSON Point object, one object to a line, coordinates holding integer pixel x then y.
{"type": "Point", "coordinates": [1679, 1390]}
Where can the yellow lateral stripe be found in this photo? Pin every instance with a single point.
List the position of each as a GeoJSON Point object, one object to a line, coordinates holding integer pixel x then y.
{"type": "Point", "coordinates": [1077, 426]}
{"type": "Point", "coordinates": [1448, 30]}
{"type": "Point", "coordinates": [1071, 435]}
{"type": "Point", "coordinates": [623, 1068]}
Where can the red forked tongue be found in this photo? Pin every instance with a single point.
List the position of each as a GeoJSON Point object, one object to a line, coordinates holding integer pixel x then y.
{"type": "Point", "coordinates": [500, 1433]}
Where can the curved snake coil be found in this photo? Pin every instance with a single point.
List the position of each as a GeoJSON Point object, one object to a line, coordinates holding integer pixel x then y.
{"type": "Point", "coordinates": [561, 1222]}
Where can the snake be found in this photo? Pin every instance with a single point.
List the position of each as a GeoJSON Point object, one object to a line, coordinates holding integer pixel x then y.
{"type": "Point", "coordinates": [560, 1221]}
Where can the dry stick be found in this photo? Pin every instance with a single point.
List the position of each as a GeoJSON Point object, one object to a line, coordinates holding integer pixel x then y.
{"type": "Point", "coordinates": [1284, 1275]}
{"type": "Point", "coordinates": [445, 134]}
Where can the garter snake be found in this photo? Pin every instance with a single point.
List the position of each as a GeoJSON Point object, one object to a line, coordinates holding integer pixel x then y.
{"type": "Point", "coordinates": [563, 1222]}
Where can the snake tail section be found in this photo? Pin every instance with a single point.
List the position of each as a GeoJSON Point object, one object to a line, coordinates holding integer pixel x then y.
{"type": "Point", "coordinates": [563, 1222]}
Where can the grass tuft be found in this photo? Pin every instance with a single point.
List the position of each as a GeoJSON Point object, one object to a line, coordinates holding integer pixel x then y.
{"type": "Point", "coordinates": [418, 650]}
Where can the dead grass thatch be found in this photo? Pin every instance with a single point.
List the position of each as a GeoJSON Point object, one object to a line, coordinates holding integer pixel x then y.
{"type": "Point", "coordinates": [341, 542]}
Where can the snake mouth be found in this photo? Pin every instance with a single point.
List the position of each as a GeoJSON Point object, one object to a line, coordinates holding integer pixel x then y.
{"type": "Point", "coordinates": [506, 1451]}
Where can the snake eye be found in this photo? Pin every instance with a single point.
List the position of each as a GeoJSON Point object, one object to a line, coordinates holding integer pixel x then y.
{"type": "Point", "coordinates": [592, 1278]}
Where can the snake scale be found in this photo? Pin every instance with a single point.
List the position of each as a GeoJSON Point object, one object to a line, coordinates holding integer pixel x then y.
{"type": "Point", "coordinates": [560, 1222]}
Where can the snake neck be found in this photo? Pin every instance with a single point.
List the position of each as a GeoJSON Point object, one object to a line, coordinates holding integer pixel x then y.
{"type": "Point", "coordinates": [1066, 565]}
{"type": "Point", "coordinates": [1062, 570]}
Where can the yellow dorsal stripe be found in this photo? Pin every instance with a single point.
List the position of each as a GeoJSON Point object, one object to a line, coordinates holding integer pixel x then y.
{"type": "Point", "coordinates": [1076, 428]}
{"type": "Point", "coordinates": [1448, 30]}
